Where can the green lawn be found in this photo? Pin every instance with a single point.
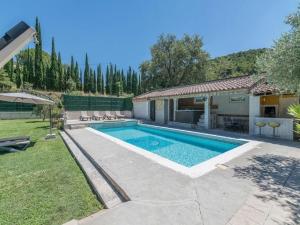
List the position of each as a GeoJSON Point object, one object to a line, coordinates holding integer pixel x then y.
{"type": "Point", "coordinates": [43, 184]}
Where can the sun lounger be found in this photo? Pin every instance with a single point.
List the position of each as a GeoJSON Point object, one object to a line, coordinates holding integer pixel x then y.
{"type": "Point", "coordinates": [109, 116]}
{"type": "Point", "coordinates": [119, 115]}
{"type": "Point", "coordinates": [14, 143]}
{"type": "Point", "coordinates": [97, 115]}
{"type": "Point", "coordinates": [84, 116]}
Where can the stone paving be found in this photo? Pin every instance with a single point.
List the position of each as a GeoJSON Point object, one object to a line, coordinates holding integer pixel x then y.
{"type": "Point", "coordinates": [260, 187]}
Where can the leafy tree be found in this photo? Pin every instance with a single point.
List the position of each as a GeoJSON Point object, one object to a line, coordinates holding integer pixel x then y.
{"type": "Point", "coordinates": [9, 68]}
{"type": "Point", "coordinates": [281, 64]}
{"type": "Point", "coordinates": [233, 65]}
{"type": "Point", "coordinates": [5, 83]}
{"type": "Point", "coordinates": [175, 62]}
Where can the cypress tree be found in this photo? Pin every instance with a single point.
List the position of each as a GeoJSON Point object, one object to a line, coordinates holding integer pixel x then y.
{"type": "Point", "coordinates": [94, 82]}
{"type": "Point", "coordinates": [102, 84]}
{"type": "Point", "coordinates": [77, 77]}
{"type": "Point", "coordinates": [86, 75]}
{"type": "Point", "coordinates": [30, 69]}
{"type": "Point", "coordinates": [38, 60]}
{"type": "Point", "coordinates": [110, 81]}
{"type": "Point", "coordinates": [114, 81]}
{"type": "Point", "coordinates": [60, 79]}
{"type": "Point", "coordinates": [26, 67]}
{"type": "Point", "coordinates": [129, 81]}
{"type": "Point", "coordinates": [134, 83]}
{"type": "Point", "coordinates": [81, 80]}
{"type": "Point", "coordinates": [99, 79]}
{"type": "Point", "coordinates": [90, 81]}
{"type": "Point", "coordinates": [124, 87]}
{"type": "Point", "coordinates": [18, 75]}
{"type": "Point", "coordinates": [52, 73]}
{"type": "Point", "coordinates": [107, 80]}
{"type": "Point", "coordinates": [72, 69]}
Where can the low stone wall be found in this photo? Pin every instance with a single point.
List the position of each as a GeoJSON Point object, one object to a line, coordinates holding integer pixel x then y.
{"type": "Point", "coordinates": [17, 115]}
{"type": "Point", "coordinates": [75, 115]}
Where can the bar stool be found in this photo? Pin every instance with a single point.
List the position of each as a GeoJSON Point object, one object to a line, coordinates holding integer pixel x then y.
{"type": "Point", "coordinates": [274, 125]}
{"type": "Point", "coordinates": [260, 124]}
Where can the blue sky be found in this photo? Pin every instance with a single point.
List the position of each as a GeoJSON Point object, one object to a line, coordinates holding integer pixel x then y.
{"type": "Point", "coordinates": [122, 32]}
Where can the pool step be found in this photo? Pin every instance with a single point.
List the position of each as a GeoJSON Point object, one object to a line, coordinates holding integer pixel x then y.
{"type": "Point", "coordinates": [102, 187]}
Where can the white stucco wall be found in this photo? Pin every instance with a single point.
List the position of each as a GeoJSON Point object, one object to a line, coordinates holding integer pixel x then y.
{"type": "Point", "coordinates": [233, 108]}
{"type": "Point", "coordinates": [254, 111]}
{"type": "Point", "coordinates": [159, 111]}
{"type": "Point", "coordinates": [141, 110]}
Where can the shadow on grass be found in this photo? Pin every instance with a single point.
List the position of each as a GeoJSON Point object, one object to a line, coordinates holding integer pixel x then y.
{"type": "Point", "coordinates": [37, 121]}
{"type": "Point", "coordinates": [5, 151]}
{"type": "Point", "coordinates": [278, 177]}
{"type": "Point", "coordinates": [42, 127]}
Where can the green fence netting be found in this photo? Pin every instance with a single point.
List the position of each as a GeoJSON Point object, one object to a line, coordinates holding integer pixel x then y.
{"type": "Point", "coordinates": [90, 103]}
{"type": "Point", "coordinates": [15, 107]}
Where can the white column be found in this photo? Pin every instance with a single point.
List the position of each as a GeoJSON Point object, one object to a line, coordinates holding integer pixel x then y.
{"type": "Point", "coordinates": [207, 113]}
{"type": "Point", "coordinates": [254, 111]}
{"type": "Point", "coordinates": [175, 108]}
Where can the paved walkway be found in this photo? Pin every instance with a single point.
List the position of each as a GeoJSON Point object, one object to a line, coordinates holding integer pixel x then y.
{"type": "Point", "coordinates": [259, 187]}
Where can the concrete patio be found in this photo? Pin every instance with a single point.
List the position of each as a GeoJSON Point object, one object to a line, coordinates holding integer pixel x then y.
{"type": "Point", "coordinates": [259, 187]}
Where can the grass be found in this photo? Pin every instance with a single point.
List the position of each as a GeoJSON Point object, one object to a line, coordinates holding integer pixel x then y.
{"type": "Point", "coordinates": [43, 184]}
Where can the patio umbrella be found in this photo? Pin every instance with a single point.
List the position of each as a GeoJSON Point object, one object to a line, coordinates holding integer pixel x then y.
{"type": "Point", "coordinates": [23, 97]}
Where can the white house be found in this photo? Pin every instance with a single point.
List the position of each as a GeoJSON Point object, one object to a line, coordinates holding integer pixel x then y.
{"type": "Point", "coordinates": [233, 103]}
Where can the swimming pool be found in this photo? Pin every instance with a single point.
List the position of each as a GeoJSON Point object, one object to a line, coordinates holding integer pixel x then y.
{"type": "Point", "coordinates": [191, 153]}
{"type": "Point", "coordinates": [185, 149]}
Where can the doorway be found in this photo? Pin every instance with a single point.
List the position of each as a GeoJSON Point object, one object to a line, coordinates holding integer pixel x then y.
{"type": "Point", "coordinates": [152, 110]}
{"type": "Point", "coordinates": [171, 109]}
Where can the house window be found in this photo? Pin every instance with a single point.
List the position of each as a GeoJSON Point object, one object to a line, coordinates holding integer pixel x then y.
{"type": "Point", "coordinates": [237, 99]}
{"type": "Point", "coordinates": [199, 100]}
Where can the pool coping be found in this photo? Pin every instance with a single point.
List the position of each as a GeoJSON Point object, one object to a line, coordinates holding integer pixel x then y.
{"type": "Point", "coordinates": [194, 171]}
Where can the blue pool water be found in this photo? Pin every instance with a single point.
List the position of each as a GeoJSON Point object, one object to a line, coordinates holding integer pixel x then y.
{"type": "Point", "coordinates": [185, 149]}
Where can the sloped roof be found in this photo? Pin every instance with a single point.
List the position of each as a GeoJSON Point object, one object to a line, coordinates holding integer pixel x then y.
{"type": "Point", "coordinates": [264, 88]}
{"type": "Point", "coordinates": [236, 83]}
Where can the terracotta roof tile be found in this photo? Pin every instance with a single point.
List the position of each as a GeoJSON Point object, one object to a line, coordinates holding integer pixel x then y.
{"type": "Point", "coordinates": [264, 88]}
{"type": "Point", "coordinates": [244, 82]}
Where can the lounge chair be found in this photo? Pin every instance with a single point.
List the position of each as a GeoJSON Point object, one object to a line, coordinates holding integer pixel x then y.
{"type": "Point", "coordinates": [84, 116]}
{"type": "Point", "coordinates": [97, 115]}
{"type": "Point", "coordinates": [14, 144]}
{"type": "Point", "coordinates": [119, 115]}
{"type": "Point", "coordinates": [109, 116]}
